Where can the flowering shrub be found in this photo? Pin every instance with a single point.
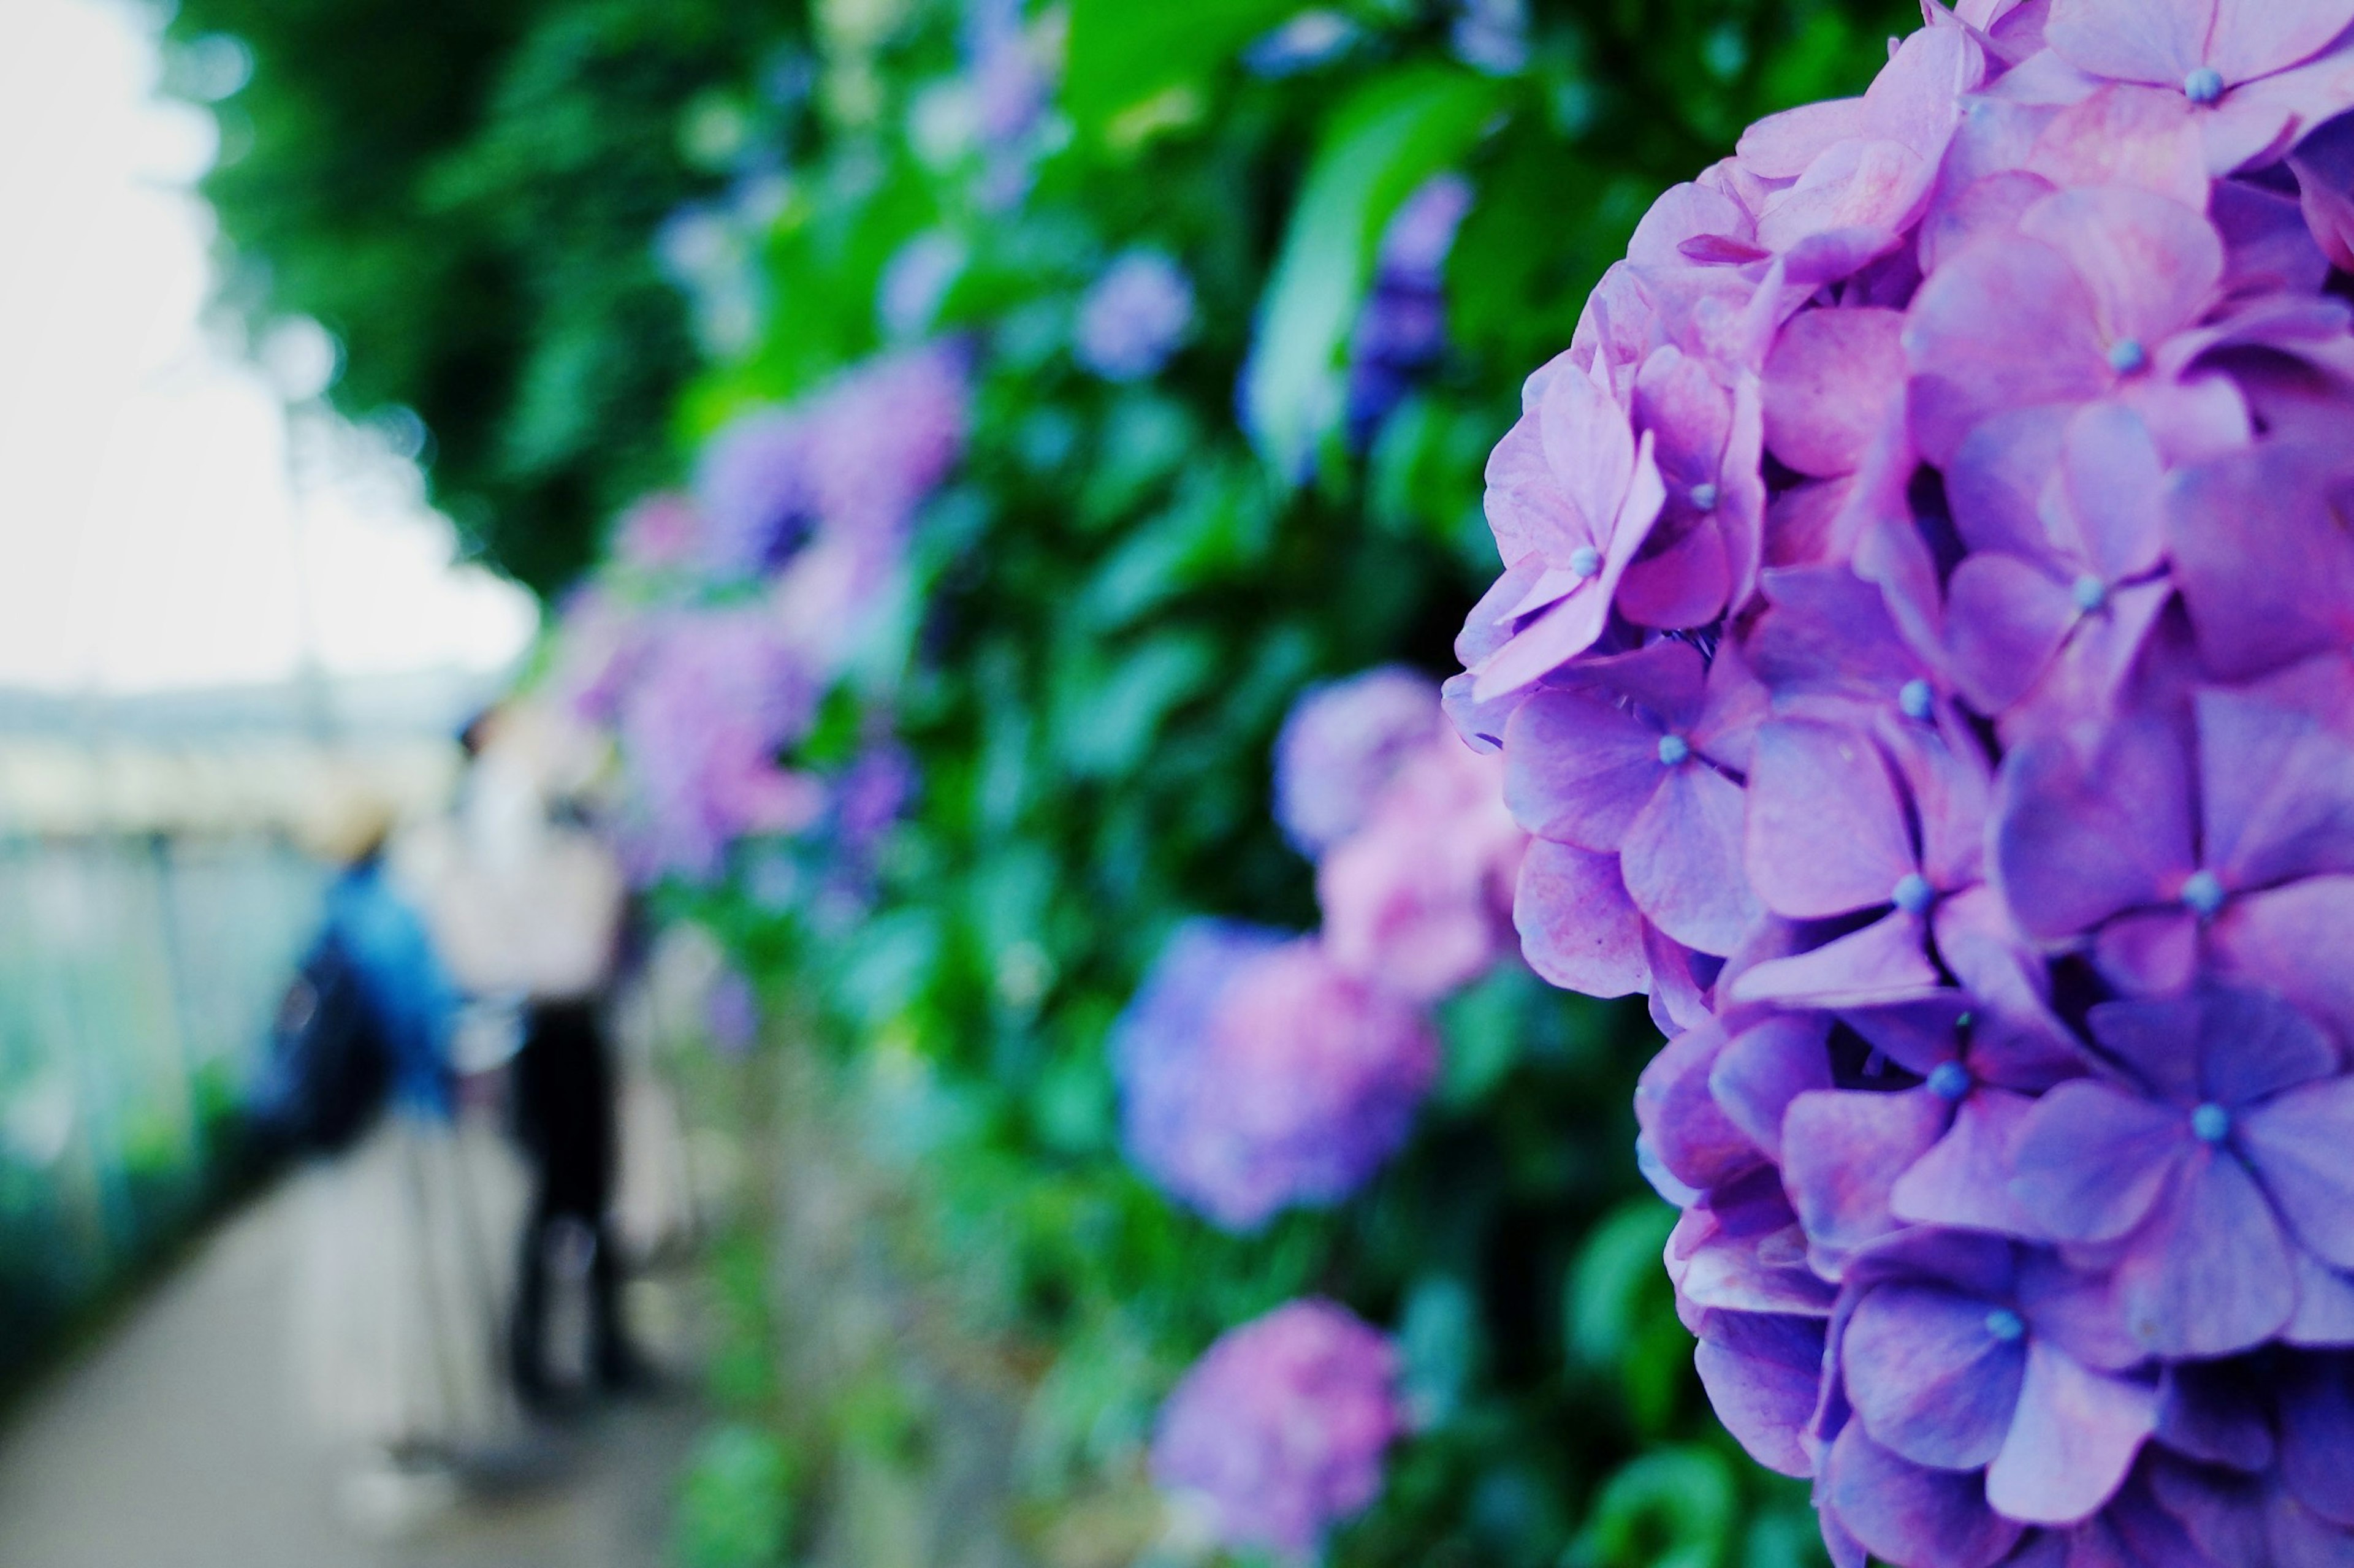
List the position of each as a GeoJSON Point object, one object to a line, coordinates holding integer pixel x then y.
{"type": "Point", "coordinates": [706, 689]}
{"type": "Point", "coordinates": [1256, 1074]}
{"type": "Point", "coordinates": [1921, 657]}
{"type": "Point", "coordinates": [1086, 641]}
{"type": "Point", "coordinates": [1278, 1430]}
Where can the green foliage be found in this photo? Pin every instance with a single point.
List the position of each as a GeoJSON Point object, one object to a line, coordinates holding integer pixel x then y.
{"type": "Point", "coordinates": [735, 1505]}
{"type": "Point", "coordinates": [466, 193]}
{"type": "Point", "coordinates": [1390, 135]}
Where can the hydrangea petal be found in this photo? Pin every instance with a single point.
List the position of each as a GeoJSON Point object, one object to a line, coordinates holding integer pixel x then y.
{"type": "Point", "coordinates": [2002, 326]}
{"type": "Point", "coordinates": [2277, 789]}
{"type": "Point", "coordinates": [2006, 619]}
{"type": "Point", "coordinates": [1682, 861]}
{"type": "Point", "coordinates": [2293, 940]}
{"type": "Point", "coordinates": [2076, 1434]}
{"type": "Point", "coordinates": [1905, 1514]}
{"type": "Point", "coordinates": [1763, 1372]}
{"type": "Point", "coordinates": [2303, 1147]}
{"type": "Point", "coordinates": [1579, 768]}
{"type": "Point", "coordinates": [2210, 1275]}
{"type": "Point", "coordinates": [1843, 1151]}
{"type": "Point", "coordinates": [2264, 564]}
{"type": "Point", "coordinates": [2083, 835]}
{"type": "Point", "coordinates": [2256, 37]}
{"type": "Point", "coordinates": [1929, 1379]}
{"type": "Point", "coordinates": [1964, 1179]}
{"type": "Point", "coordinates": [2093, 1160]}
{"type": "Point", "coordinates": [1577, 926]}
{"type": "Point", "coordinates": [1826, 832]}
{"type": "Point", "coordinates": [1830, 376]}
{"type": "Point", "coordinates": [2155, 41]}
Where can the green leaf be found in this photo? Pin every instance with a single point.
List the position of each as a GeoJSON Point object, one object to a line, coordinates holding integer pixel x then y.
{"type": "Point", "coordinates": [1380, 145]}
{"type": "Point", "coordinates": [1674, 1508]}
{"type": "Point", "coordinates": [1128, 56]}
{"type": "Point", "coordinates": [735, 1508]}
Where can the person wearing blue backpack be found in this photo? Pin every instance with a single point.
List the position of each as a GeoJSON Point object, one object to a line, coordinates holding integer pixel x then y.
{"type": "Point", "coordinates": [400, 1281]}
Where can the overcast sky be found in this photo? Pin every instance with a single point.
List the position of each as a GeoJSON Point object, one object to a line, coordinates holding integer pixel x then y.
{"type": "Point", "coordinates": [152, 531]}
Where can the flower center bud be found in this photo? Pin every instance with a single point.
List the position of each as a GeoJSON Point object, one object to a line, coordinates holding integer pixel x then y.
{"type": "Point", "coordinates": [1673, 749]}
{"type": "Point", "coordinates": [2089, 592]}
{"type": "Point", "coordinates": [2210, 1123]}
{"type": "Point", "coordinates": [1915, 699]}
{"type": "Point", "coordinates": [1914, 895]}
{"type": "Point", "coordinates": [1586, 560]}
{"type": "Point", "coordinates": [2203, 894]}
{"type": "Point", "coordinates": [2204, 85]}
{"type": "Point", "coordinates": [2006, 1325]}
{"type": "Point", "coordinates": [2126, 356]}
{"type": "Point", "coordinates": [1703, 497]}
{"type": "Point", "coordinates": [1949, 1081]}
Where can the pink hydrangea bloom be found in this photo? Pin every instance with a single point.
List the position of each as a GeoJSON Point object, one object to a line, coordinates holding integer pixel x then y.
{"type": "Point", "coordinates": [1418, 900]}
{"type": "Point", "coordinates": [1279, 1431]}
{"type": "Point", "coordinates": [1945, 721]}
{"type": "Point", "coordinates": [1341, 745]}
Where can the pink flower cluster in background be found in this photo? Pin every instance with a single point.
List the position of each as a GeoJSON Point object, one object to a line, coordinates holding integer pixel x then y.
{"type": "Point", "coordinates": [1279, 1430]}
{"type": "Point", "coordinates": [1922, 660]}
{"type": "Point", "coordinates": [1258, 1072]}
{"type": "Point", "coordinates": [739, 606]}
{"type": "Point", "coordinates": [1416, 853]}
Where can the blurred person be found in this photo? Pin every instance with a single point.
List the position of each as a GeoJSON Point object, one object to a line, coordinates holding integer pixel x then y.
{"type": "Point", "coordinates": [396, 1284]}
{"type": "Point", "coordinates": [528, 905]}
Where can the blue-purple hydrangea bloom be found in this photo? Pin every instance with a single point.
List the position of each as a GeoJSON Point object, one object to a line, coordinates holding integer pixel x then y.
{"type": "Point", "coordinates": [1923, 659]}
{"type": "Point", "coordinates": [1279, 1431]}
{"type": "Point", "coordinates": [1134, 316]}
{"type": "Point", "coordinates": [1257, 1075]}
{"type": "Point", "coordinates": [708, 687]}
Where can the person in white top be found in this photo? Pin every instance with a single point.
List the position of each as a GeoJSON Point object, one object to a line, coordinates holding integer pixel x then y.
{"type": "Point", "coordinates": [527, 908]}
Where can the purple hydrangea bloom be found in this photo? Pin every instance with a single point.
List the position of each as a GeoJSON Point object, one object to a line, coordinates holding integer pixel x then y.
{"type": "Point", "coordinates": [1970, 787]}
{"type": "Point", "coordinates": [1279, 1431]}
{"type": "Point", "coordinates": [1134, 317]}
{"type": "Point", "coordinates": [752, 485]}
{"type": "Point", "coordinates": [715, 702]}
{"type": "Point", "coordinates": [1256, 1074]}
{"type": "Point", "coordinates": [1340, 747]}
{"type": "Point", "coordinates": [883, 436]}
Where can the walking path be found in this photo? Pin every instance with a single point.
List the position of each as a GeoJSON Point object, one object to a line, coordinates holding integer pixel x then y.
{"type": "Point", "coordinates": [176, 1444]}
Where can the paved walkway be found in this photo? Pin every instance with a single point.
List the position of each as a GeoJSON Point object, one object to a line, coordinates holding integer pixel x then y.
{"type": "Point", "coordinates": [172, 1444]}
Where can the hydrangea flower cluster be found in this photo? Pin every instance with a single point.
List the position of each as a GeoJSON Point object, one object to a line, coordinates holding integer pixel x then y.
{"type": "Point", "coordinates": [706, 685]}
{"type": "Point", "coordinates": [1922, 660]}
{"type": "Point", "coordinates": [1258, 1071]}
{"type": "Point", "coordinates": [715, 696]}
{"type": "Point", "coordinates": [1415, 851]}
{"type": "Point", "coordinates": [841, 472]}
{"type": "Point", "coordinates": [1256, 1074]}
{"type": "Point", "coordinates": [1279, 1432]}
{"type": "Point", "coordinates": [1133, 317]}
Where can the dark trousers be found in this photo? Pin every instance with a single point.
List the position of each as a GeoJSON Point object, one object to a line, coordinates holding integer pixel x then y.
{"type": "Point", "coordinates": [565, 1117]}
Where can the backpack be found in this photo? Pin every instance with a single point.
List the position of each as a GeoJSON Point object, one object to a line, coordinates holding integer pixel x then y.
{"type": "Point", "coordinates": [330, 1070]}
